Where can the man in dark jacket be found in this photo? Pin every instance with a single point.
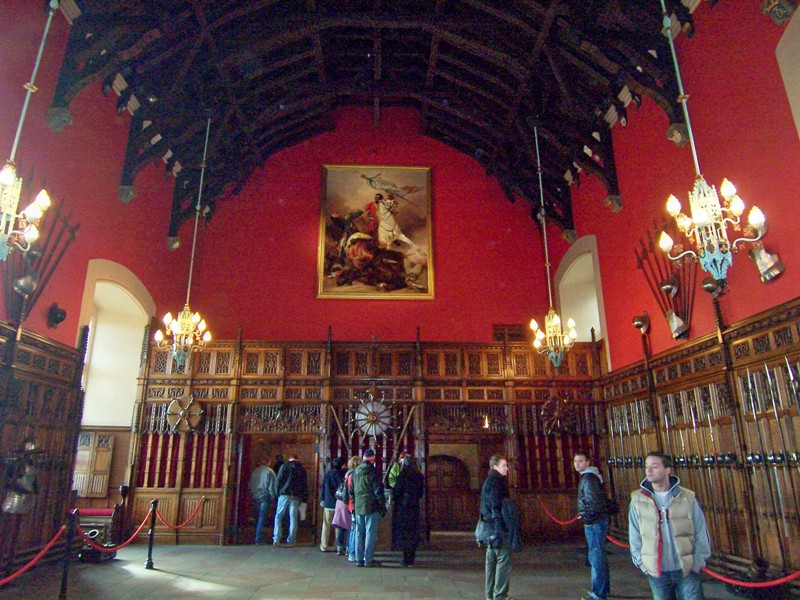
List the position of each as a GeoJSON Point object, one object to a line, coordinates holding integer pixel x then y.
{"type": "Point", "coordinates": [369, 507]}
{"type": "Point", "coordinates": [498, 552]}
{"type": "Point", "coordinates": [292, 488]}
{"type": "Point", "coordinates": [593, 511]}
{"type": "Point", "coordinates": [330, 483]}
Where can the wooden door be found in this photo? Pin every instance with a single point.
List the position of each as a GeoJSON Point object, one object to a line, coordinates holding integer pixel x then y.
{"type": "Point", "coordinates": [452, 504]}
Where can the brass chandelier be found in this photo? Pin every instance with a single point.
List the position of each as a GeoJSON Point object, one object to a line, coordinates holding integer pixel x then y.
{"type": "Point", "coordinates": [707, 227]}
{"type": "Point", "coordinates": [20, 230]}
{"type": "Point", "coordinates": [552, 340]}
{"type": "Point", "coordinates": [188, 331]}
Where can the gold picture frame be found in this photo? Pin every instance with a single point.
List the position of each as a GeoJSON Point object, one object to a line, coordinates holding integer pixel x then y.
{"type": "Point", "coordinates": [375, 237]}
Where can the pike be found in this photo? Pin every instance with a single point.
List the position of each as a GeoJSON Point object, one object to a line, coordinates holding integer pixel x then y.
{"type": "Point", "coordinates": [611, 455]}
{"type": "Point", "coordinates": [793, 385]}
{"type": "Point", "coordinates": [785, 453]}
{"type": "Point", "coordinates": [707, 469]}
{"type": "Point", "coordinates": [624, 411]}
{"type": "Point", "coordinates": [639, 460]}
{"type": "Point", "coordinates": [752, 397]}
{"type": "Point", "coordinates": [726, 499]}
{"type": "Point", "coordinates": [669, 434]}
{"type": "Point", "coordinates": [621, 459]}
{"type": "Point", "coordinates": [612, 463]}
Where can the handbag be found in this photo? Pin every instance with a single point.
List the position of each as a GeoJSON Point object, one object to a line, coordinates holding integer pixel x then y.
{"type": "Point", "coordinates": [485, 533]}
{"type": "Point", "coordinates": [341, 516]}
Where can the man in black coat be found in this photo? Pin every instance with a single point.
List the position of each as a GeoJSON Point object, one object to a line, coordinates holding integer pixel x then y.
{"type": "Point", "coordinates": [593, 511]}
{"type": "Point", "coordinates": [292, 485]}
{"type": "Point", "coordinates": [498, 551]}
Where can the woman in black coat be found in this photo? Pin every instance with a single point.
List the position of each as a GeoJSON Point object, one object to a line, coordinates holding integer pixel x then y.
{"type": "Point", "coordinates": [406, 495]}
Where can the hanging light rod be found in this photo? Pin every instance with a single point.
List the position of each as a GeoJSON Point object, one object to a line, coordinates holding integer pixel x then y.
{"type": "Point", "coordinates": [708, 224]}
{"type": "Point", "coordinates": [21, 230]}
{"type": "Point", "coordinates": [552, 341]}
{"type": "Point", "coordinates": [188, 331]}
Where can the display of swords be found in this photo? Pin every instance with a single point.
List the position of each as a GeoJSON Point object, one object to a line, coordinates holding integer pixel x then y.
{"type": "Point", "coordinates": [698, 430]}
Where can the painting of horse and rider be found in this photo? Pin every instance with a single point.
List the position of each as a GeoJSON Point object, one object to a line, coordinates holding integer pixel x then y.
{"type": "Point", "coordinates": [375, 233]}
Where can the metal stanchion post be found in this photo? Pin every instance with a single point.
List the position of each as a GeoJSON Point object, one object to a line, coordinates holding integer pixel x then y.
{"type": "Point", "coordinates": [151, 534]}
{"type": "Point", "coordinates": [72, 516]}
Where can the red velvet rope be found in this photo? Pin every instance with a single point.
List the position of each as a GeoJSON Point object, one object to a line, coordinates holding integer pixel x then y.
{"type": "Point", "coordinates": [752, 584]}
{"type": "Point", "coordinates": [617, 542]}
{"type": "Point", "coordinates": [35, 559]}
{"type": "Point", "coordinates": [744, 584]}
{"type": "Point", "coordinates": [187, 521]}
{"type": "Point", "coordinates": [97, 546]}
{"type": "Point", "coordinates": [549, 514]}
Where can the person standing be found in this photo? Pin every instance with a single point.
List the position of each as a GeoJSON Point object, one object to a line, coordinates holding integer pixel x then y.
{"type": "Point", "coordinates": [406, 495]}
{"type": "Point", "coordinates": [262, 490]}
{"type": "Point", "coordinates": [667, 532]}
{"type": "Point", "coordinates": [330, 483]}
{"type": "Point", "coordinates": [292, 488]}
{"type": "Point", "coordinates": [394, 470]}
{"type": "Point", "coordinates": [498, 551]}
{"type": "Point", "coordinates": [352, 465]}
{"type": "Point", "coordinates": [593, 511]}
{"type": "Point", "coordinates": [369, 506]}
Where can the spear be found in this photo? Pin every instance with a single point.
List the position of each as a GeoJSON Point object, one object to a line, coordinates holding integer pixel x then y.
{"type": "Point", "coordinates": [707, 469]}
{"type": "Point", "coordinates": [769, 482]}
{"type": "Point", "coordinates": [726, 498]}
{"type": "Point", "coordinates": [784, 454]}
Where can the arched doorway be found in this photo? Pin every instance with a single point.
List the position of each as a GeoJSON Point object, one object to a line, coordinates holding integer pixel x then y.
{"type": "Point", "coordinates": [452, 503]}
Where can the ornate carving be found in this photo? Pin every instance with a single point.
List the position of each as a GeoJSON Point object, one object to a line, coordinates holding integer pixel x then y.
{"type": "Point", "coordinates": [276, 418]}
{"type": "Point", "coordinates": [466, 418]}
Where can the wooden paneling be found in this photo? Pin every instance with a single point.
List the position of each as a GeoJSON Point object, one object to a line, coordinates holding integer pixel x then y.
{"type": "Point", "coordinates": [40, 401]}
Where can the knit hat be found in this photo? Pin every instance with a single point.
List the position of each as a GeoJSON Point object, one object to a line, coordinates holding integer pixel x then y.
{"type": "Point", "coordinates": [403, 454]}
{"type": "Point", "coordinates": [369, 455]}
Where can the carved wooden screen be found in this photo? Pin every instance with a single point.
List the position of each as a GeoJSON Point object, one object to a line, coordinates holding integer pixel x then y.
{"type": "Point", "coordinates": [40, 401]}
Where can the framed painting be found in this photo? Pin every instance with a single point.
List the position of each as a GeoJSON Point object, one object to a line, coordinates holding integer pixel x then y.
{"type": "Point", "coordinates": [375, 233]}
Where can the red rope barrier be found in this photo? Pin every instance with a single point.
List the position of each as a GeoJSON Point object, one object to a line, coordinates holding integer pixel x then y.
{"type": "Point", "coordinates": [745, 584]}
{"type": "Point", "coordinates": [752, 584]}
{"type": "Point", "coordinates": [97, 546]}
{"type": "Point", "coordinates": [617, 542]}
{"type": "Point", "coordinates": [36, 558]}
{"type": "Point", "coordinates": [549, 514]}
{"type": "Point", "coordinates": [187, 521]}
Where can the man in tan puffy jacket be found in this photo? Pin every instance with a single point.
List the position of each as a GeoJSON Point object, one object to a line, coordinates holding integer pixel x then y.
{"type": "Point", "coordinates": [667, 532]}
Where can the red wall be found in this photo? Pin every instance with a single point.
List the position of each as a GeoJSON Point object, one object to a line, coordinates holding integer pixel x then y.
{"type": "Point", "coordinates": [256, 260]}
{"type": "Point", "coordinates": [488, 259]}
{"type": "Point", "coordinates": [743, 131]}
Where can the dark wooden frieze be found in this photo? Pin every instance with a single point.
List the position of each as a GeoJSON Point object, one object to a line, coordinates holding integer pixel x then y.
{"type": "Point", "coordinates": [272, 73]}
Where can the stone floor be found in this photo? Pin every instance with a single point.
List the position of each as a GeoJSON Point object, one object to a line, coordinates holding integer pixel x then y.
{"type": "Point", "coordinates": [547, 570]}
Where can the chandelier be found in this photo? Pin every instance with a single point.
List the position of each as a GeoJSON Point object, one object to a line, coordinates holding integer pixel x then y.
{"type": "Point", "coordinates": [708, 224]}
{"type": "Point", "coordinates": [188, 331]}
{"type": "Point", "coordinates": [20, 230]}
{"type": "Point", "coordinates": [551, 340]}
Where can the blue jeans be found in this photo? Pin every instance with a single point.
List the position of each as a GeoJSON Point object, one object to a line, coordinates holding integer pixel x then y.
{"type": "Point", "coordinates": [596, 540]}
{"type": "Point", "coordinates": [341, 538]}
{"type": "Point", "coordinates": [292, 504]}
{"type": "Point", "coordinates": [366, 536]}
{"type": "Point", "coordinates": [351, 540]}
{"type": "Point", "coordinates": [673, 582]}
{"type": "Point", "coordinates": [261, 510]}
